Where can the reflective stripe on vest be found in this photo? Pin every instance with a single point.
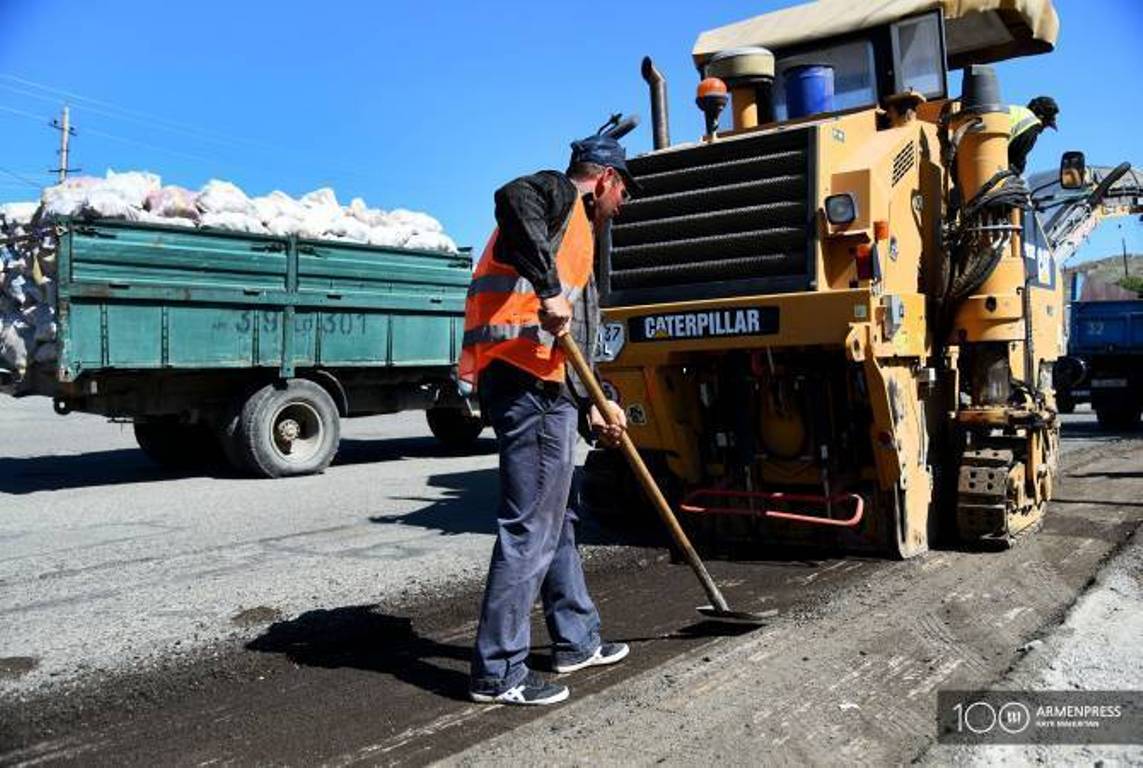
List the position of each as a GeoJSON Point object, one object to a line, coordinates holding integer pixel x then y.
{"type": "Point", "coordinates": [514, 284]}
{"type": "Point", "coordinates": [487, 333]}
{"type": "Point", "coordinates": [502, 312]}
{"type": "Point", "coordinates": [1020, 119]}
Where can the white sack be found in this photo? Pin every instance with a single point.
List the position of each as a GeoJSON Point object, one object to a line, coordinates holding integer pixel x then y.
{"type": "Point", "coordinates": [173, 202]}
{"type": "Point", "coordinates": [389, 237]}
{"type": "Point", "coordinates": [283, 226]}
{"type": "Point", "coordinates": [148, 217]}
{"type": "Point", "coordinates": [349, 228]}
{"type": "Point", "coordinates": [18, 213]}
{"type": "Point", "coordinates": [317, 222]}
{"type": "Point", "coordinates": [417, 221]}
{"type": "Point", "coordinates": [320, 198]}
{"type": "Point", "coordinates": [233, 222]}
{"type": "Point", "coordinates": [67, 199]}
{"type": "Point", "coordinates": [14, 338]}
{"type": "Point", "coordinates": [133, 186]}
{"type": "Point", "coordinates": [223, 197]}
{"type": "Point", "coordinates": [278, 205]}
{"type": "Point", "coordinates": [108, 203]}
{"type": "Point", "coordinates": [363, 213]}
{"type": "Point", "coordinates": [431, 241]}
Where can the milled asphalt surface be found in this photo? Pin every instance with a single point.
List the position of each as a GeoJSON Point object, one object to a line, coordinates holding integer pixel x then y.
{"type": "Point", "coordinates": [309, 627]}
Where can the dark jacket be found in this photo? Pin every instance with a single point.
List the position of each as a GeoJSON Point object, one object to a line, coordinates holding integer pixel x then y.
{"type": "Point", "coordinates": [531, 212]}
{"type": "Point", "coordinates": [1021, 146]}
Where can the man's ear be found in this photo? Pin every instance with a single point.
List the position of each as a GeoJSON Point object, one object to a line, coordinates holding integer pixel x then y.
{"type": "Point", "coordinates": [600, 184]}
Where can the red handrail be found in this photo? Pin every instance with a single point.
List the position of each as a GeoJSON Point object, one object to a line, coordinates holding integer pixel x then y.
{"type": "Point", "coordinates": [687, 505]}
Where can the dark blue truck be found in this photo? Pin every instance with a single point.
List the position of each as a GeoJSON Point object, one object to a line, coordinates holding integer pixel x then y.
{"type": "Point", "coordinates": [1105, 360]}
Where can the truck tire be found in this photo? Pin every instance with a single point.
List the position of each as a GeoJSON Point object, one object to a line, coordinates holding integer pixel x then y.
{"type": "Point", "coordinates": [1065, 403]}
{"type": "Point", "coordinates": [1118, 417]}
{"type": "Point", "coordinates": [173, 445]}
{"type": "Point", "coordinates": [287, 429]}
{"type": "Point", "coordinates": [454, 427]}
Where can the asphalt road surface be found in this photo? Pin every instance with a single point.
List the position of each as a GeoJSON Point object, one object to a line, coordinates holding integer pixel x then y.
{"type": "Point", "coordinates": [149, 618]}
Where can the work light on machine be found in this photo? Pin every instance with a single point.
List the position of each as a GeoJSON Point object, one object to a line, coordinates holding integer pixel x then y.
{"type": "Point", "coordinates": [841, 208]}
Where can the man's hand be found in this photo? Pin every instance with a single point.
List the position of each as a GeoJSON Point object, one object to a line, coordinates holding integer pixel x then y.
{"type": "Point", "coordinates": [555, 314]}
{"type": "Point", "coordinates": [608, 434]}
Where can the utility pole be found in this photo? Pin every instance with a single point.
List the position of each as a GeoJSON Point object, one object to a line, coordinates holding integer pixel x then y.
{"type": "Point", "coordinates": [63, 125]}
{"type": "Point", "coordinates": [1123, 240]}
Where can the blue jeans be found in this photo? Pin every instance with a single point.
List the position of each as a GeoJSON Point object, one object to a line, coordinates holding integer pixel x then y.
{"type": "Point", "coordinates": [535, 552]}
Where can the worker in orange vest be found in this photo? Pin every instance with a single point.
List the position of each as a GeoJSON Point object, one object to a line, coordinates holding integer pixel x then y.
{"type": "Point", "coordinates": [533, 282]}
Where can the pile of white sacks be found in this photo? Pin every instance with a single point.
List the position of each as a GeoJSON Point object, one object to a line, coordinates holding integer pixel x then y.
{"type": "Point", "coordinates": [28, 247]}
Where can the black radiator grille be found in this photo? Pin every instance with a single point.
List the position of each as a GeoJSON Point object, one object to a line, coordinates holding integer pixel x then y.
{"type": "Point", "coordinates": [716, 220]}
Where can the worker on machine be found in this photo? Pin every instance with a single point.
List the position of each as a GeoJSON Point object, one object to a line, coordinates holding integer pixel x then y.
{"type": "Point", "coordinates": [1026, 124]}
{"type": "Point", "coordinates": [533, 283]}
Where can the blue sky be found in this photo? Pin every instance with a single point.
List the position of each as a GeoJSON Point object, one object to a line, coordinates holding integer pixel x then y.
{"type": "Point", "coordinates": [431, 105]}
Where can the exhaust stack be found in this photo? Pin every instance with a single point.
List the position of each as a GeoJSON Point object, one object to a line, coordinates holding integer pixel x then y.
{"type": "Point", "coordinates": [658, 85]}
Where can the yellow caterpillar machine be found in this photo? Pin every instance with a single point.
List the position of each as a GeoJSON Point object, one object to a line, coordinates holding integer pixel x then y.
{"type": "Point", "coordinates": [835, 318]}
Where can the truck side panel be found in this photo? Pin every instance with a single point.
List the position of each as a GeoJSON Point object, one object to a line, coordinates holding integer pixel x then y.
{"type": "Point", "coordinates": [1105, 326]}
{"type": "Point", "coordinates": [138, 297]}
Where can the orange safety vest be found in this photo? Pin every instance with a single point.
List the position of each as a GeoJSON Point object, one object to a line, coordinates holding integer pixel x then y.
{"type": "Point", "coordinates": [502, 312]}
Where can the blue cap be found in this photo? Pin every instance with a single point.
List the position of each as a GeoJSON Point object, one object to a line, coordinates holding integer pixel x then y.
{"type": "Point", "coordinates": [606, 151]}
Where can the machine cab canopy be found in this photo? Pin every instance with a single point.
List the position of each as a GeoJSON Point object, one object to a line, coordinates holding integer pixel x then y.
{"type": "Point", "coordinates": [884, 47]}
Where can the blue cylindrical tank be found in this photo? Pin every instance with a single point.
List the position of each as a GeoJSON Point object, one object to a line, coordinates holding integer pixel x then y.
{"type": "Point", "coordinates": [809, 90]}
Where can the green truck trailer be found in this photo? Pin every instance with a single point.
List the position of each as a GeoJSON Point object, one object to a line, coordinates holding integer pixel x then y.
{"type": "Point", "coordinates": [252, 348]}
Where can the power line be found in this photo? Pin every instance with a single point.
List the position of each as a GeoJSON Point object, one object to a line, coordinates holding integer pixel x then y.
{"type": "Point", "coordinates": [146, 145]}
{"type": "Point", "coordinates": [154, 120]}
{"type": "Point", "coordinates": [21, 113]}
{"type": "Point", "coordinates": [151, 124]}
{"type": "Point", "coordinates": [20, 178]}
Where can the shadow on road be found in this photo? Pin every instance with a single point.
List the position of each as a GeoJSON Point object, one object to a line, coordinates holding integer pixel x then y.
{"type": "Point", "coordinates": [31, 474]}
{"type": "Point", "coordinates": [1111, 475]}
{"type": "Point", "coordinates": [1098, 503]}
{"type": "Point", "coordinates": [358, 451]}
{"type": "Point", "coordinates": [469, 505]}
{"type": "Point", "coordinates": [362, 637]}
{"type": "Point", "coordinates": [1090, 430]}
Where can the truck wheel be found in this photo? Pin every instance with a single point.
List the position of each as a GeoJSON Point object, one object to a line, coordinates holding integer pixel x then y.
{"type": "Point", "coordinates": [288, 429]}
{"type": "Point", "coordinates": [1118, 417]}
{"type": "Point", "coordinates": [173, 445]}
{"type": "Point", "coordinates": [454, 427]}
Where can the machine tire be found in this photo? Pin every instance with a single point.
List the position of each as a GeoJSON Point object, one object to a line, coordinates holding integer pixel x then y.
{"type": "Point", "coordinates": [1118, 417]}
{"type": "Point", "coordinates": [288, 428]}
{"type": "Point", "coordinates": [454, 427]}
{"type": "Point", "coordinates": [177, 446]}
{"type": "Point", "coordinates": [1065, 403]}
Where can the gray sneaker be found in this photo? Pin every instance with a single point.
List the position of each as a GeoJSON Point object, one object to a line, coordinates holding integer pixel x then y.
{"type": "Point", "coordinates": [607, 653]}
{"type": "Point", "coordinates": [533, 690]}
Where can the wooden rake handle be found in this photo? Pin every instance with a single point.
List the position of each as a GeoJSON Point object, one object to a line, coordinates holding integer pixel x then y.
{"type": "Point", "coordinates": [631, 453]}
